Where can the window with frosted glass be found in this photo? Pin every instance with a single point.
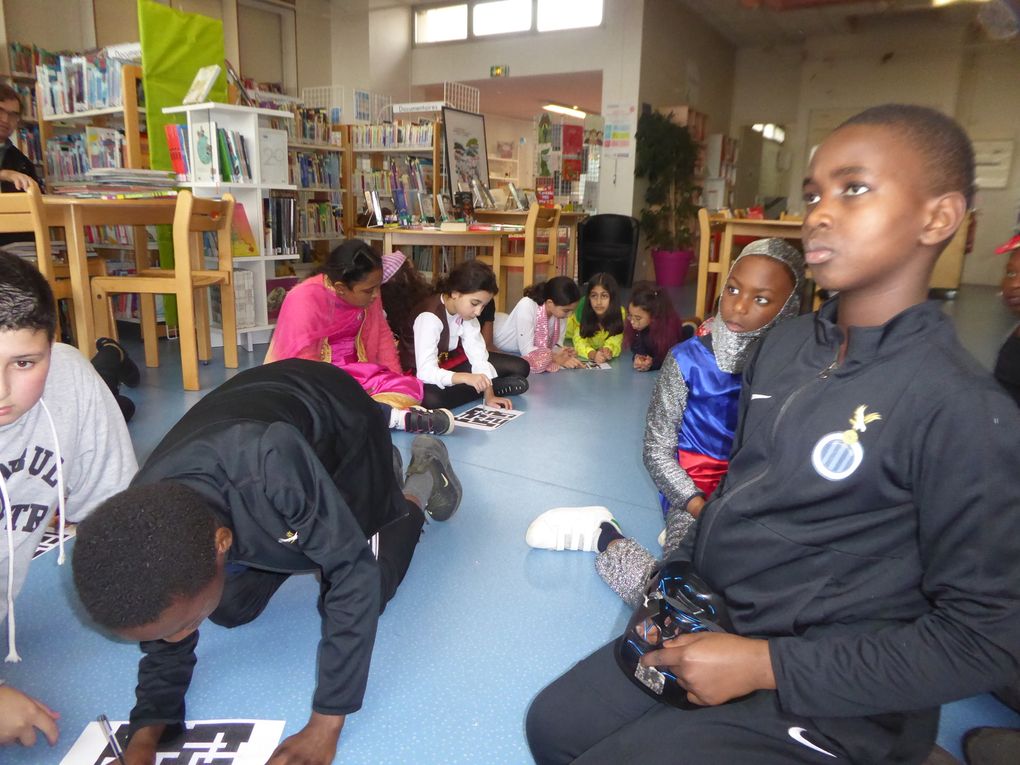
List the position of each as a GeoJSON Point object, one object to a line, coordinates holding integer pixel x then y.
{"type": "Point", "coordinates": [441, 24]}
{"type": "Point", "coordinates": [501, 17]}
{"type": "Point", "coordinates": [568, 14]}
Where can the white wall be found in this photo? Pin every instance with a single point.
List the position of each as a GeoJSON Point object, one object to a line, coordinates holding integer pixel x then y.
{"type": "Point", "coordinates": [390, 43]}
{"type": "Point", "coordinates": [916, 62]}
{"type": "Point", "coordinates": [51, 24]}
{"type": "Point", "coordinates": [766, 86]}
{"type": "Point", "coordinates": [313, 19]}
{"type": "Point", "coordinates": [812, 87]}
{"type": "Point", "coordinates": [683, 61]}
{"type": "Point", "coordinates": [989, 108]}
{"type": "Point", "coordinates": [350, 59]}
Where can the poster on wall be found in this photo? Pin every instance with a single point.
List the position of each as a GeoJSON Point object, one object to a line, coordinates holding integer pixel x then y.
{"type": "Point", "coordinates": [618, 133]}
{"type": "Point", "coordinates": [572, 141]}
{"type": "Point", "coordinates": [464, 133]}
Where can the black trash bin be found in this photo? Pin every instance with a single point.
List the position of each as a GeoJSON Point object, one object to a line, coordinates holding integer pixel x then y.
{"type": "Point", "coordinates": [608, 243]}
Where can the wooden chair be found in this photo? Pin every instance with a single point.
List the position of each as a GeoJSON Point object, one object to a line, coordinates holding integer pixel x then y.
{"type": "Point", "coordinates": [21, 213]}
{"type": "Point", "coordinates": [541, 222]}
{"type": "Point", "coordinates": [187, 281]}
{"type": "Point", "coordinates": [709, 228]}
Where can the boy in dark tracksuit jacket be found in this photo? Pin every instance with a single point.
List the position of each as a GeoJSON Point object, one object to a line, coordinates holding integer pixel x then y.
{"type": "Point", "coordinates": [869, 567]}
{"type": "Point", "coordinates": [285, 468]}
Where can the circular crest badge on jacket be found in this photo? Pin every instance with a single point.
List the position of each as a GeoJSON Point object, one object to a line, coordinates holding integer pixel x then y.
{"type": "Point", "coordinates": [837, 455]}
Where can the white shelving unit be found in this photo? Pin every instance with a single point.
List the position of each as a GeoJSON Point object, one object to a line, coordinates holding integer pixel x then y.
{"type": "Point", "coordinates": [503, 170]}
{"type": "Point", "coordinates": [247, 121]}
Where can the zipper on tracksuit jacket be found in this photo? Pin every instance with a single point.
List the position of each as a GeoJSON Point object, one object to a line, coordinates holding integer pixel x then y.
{"type": "Point", "coordinates": [721, 502]}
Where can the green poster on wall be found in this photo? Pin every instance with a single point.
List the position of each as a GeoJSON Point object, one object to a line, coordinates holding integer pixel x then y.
{"type": "Point", "coordinates": [175, 45]}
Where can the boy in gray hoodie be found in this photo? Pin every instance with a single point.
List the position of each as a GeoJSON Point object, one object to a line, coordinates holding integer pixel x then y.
{"type": "Point", "coordinates": [63, 445]}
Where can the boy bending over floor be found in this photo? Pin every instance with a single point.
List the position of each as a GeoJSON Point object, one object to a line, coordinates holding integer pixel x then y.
{"type": "Point", "coordinates": [869, 567]}
{"type": "Point", "coordinates": [285, 468]}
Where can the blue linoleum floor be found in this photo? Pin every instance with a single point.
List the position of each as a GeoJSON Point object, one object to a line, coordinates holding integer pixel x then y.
{"type": "Point", "coordinates": [481, 623]}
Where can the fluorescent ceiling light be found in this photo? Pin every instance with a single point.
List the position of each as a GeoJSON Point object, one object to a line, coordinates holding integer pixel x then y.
{"type": "Point", "coordinates": [567, 110]}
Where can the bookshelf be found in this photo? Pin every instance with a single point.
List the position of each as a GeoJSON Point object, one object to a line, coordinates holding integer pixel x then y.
{"type": "Point", "coordinates": [65, 117]}
{"type": "Point", "coordinates": [268, 201]}
{"type": "Point", "coordinates": [320, 163]}
{"type": "Point", "coordinates": [404, 156]}
{"type": "Point", "coordinates": [124, 117]}
{"type": "Point", "coordinates": [503, 170]}
{"type": "Point", "coordinates": [21, 76]}
{"type": "Point", "coordinates": [26, 137]}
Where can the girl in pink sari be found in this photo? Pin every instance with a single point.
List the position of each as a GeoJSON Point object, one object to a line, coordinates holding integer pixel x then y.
{"type": "Point", "coordinates": [335, 316]}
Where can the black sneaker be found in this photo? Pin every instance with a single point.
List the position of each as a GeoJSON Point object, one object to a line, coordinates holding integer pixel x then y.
{"type": "Point", "coordinates": [437, 421]}
{"type": "Point", "coordinates": [128, 371]}
{"type": "Point", "coordinates": [509, 386]}
{"type": "Point", "coordinates": [127, 407]}
{"type": "Point", "coordinates": [429, 455]}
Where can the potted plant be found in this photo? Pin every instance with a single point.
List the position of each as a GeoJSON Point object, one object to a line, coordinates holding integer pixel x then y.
{"type": "Point", "coordinates": [666, 156]}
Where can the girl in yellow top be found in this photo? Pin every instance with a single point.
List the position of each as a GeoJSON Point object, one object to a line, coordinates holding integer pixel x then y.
{"type": "Point", "coordinates": [596, 328]}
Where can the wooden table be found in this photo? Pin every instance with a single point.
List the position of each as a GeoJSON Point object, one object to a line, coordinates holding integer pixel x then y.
{"type": "Point", "coordinates": [72, 214]}
{"type": "Point", "coordinates": [394, 238]}
{"type": "Point", "coordinates": [568, 220]}
{"type": "Point", "coordinates": [733, 227]}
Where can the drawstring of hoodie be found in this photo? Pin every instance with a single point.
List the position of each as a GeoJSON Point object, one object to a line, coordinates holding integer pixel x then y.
{"type": "Point", "coordinates": [60, 483]}
{"type": "Point", "coordinates": [12, 653]}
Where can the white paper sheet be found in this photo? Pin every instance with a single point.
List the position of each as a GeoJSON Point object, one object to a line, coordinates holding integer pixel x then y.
{"type": "Point", "coordinates": [485, 417]}
{"type": "Point", "coordinates": [205, 742]}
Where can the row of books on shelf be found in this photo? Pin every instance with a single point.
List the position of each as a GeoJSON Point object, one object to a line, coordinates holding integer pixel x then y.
{"type": "Point", "coordinates": [27, 141]}
{"type": "Point", "coordinates": [320, 219]}
{"type": "Point", "coordinates": [126, 306]}
{"type": "Point", "coordinates": [26, 92]}
{"type": "Point", "coordinates": [74, 154]}
{"type": "Point", "coordinates": [25, 58]}
{"type": "Point", "coordinates": [282, 220]}
{"type": "Point", "coordinates": [219, 154]}
{"type": "Point", "coordinates": [315, 169]}
{"type": "Point", "coordinates": [395, 135]}
{"type": "Point", "coordinates": [207, 153]}
{"type": "Point", "coordinates": [311, 125]}
{"type": "Point", "coordinates": [407, 173]}
{"type": "Point", "coordinates": [280, 230]}
{"type": "Point", "coordinates": [422, 257]}
{"type": "Point", "coordinates": [114, 236]}
{"type": "Point", "coordinates": [80, 82]}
